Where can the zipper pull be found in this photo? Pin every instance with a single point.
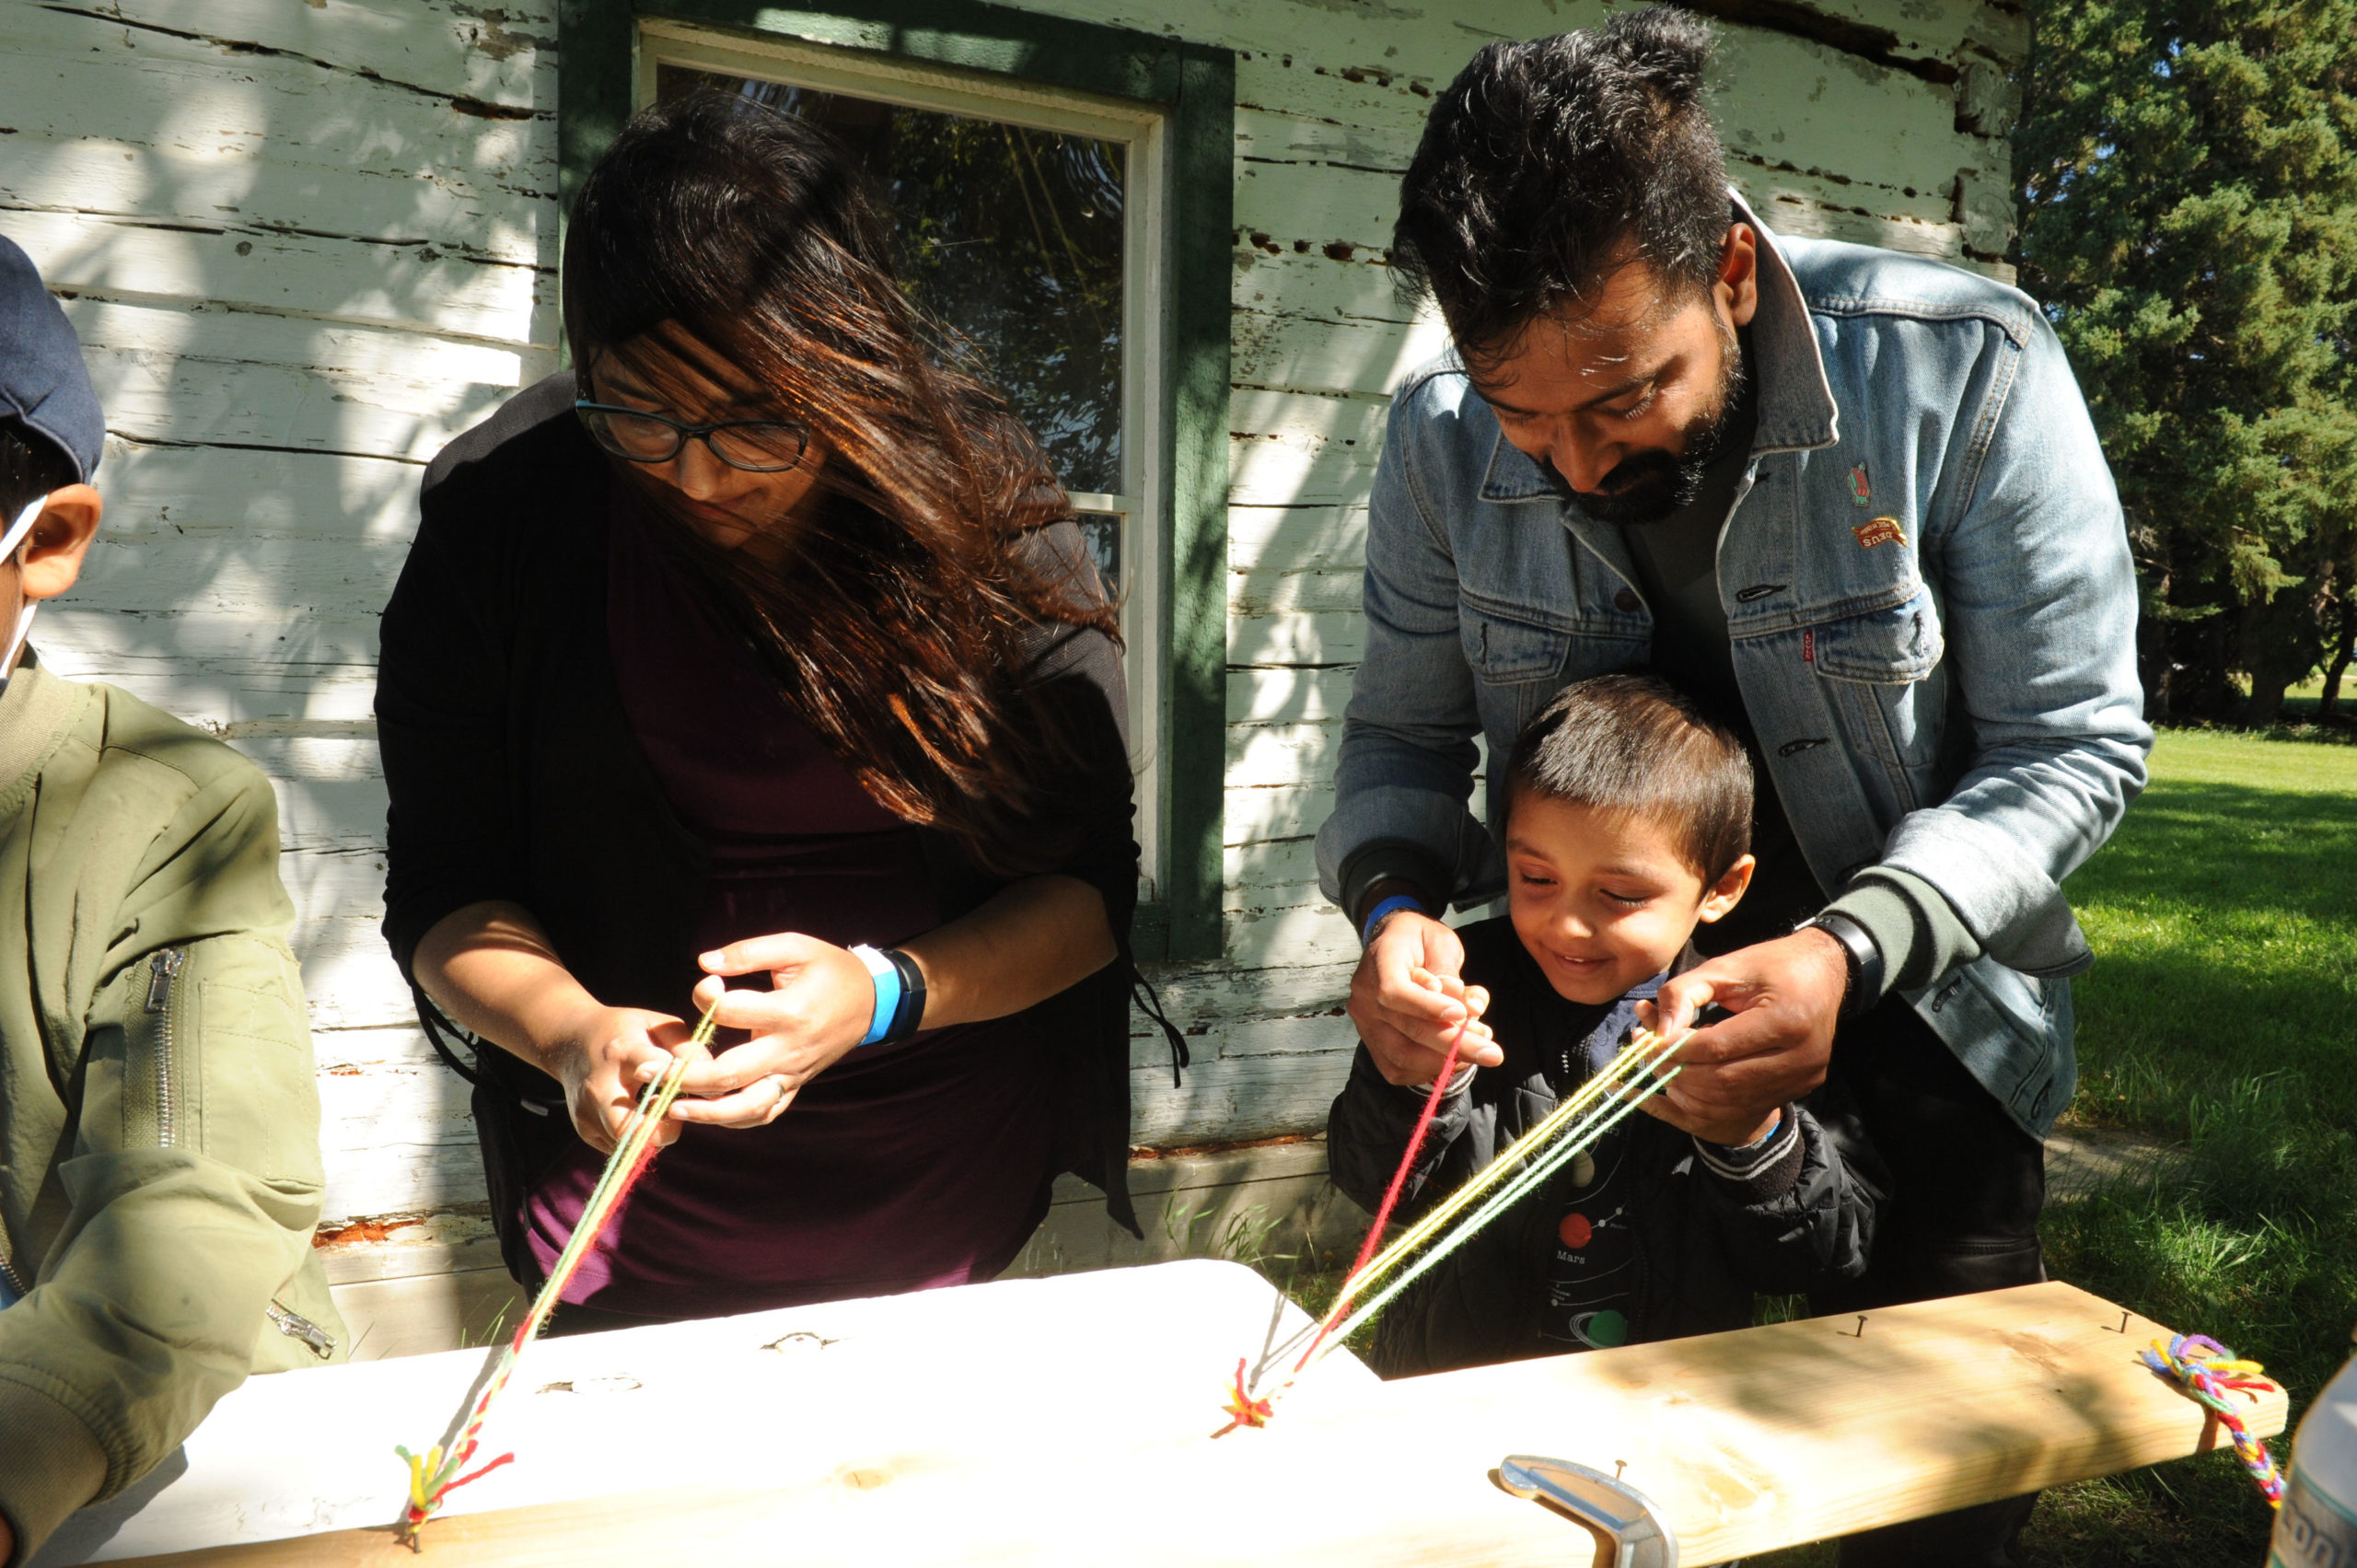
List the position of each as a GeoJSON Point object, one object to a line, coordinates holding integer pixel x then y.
{"type": "Point", "coordinates": [296, 1326]}
{"type": "Point", "coordinates": [161, 969]}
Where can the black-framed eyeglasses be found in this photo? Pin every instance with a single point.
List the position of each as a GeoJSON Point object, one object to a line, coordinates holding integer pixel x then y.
{"type": "Point", "coordinates": [757, 446]}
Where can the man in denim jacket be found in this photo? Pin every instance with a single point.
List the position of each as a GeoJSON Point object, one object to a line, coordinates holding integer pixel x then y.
{"type": "Point", "coordinates": [1853, 497]}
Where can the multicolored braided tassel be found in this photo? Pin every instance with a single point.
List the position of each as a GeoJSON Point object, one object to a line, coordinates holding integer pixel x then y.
{"type": "Point", "coordinates": [2207, 1372]}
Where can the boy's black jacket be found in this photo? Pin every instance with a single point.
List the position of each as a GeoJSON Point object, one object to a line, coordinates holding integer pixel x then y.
{"type": "Point", "coordinates": [1703, 1243]}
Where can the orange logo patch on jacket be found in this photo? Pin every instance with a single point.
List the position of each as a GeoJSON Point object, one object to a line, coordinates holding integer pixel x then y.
{"type": "Point", "coordinates": [1882, 530]}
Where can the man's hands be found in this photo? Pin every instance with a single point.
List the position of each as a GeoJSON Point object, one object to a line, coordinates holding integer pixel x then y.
{"type": "Point", "coordinates": [1785, 996]}
{"type": "Point", "coordinates": [1408, 1001]}
{"type": "Point", "coordinates": [819, 1005]}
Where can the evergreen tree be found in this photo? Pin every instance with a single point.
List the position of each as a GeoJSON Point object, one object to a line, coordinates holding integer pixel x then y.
{"type": "Point", "coordinates": [2189, 183]}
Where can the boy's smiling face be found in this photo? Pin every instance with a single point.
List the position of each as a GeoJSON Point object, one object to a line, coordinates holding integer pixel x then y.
{"type": "Point", "coordinates": [1604, 900]}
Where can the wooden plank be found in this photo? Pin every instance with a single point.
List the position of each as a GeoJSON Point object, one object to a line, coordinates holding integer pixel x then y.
{"type": "Point", "coordinates": [367, 352]}
{"type": "Point", "coordinates": [1276, 809]}
{"type": "Point", "coordinates": [1748, 1441]}
{"type": "Point", "coordinates": [387, 130]}
{"type": "Point", "coordinates": [1284, 282]}
{"type": "Point", "coordinates": [409, 283]}
{"type": "Point", "coordinates": [1322, 637]}
{"type": "Point", "coordinates": [1335, 587]}
{"type": "Point", "coordinates": [1320, 204]}
{"type": "Point", "coordinates": [1296, 538]}
{"type": "Point", "coordinates": [1261, 868]}
{"type": "Point", "coordinates": [425, 1314]}
{"type": "Point", "coordinates": [1294, 448]}
{"type": "Point", "coordinates": [1288, 695]}
{"type": "Point", "coordinates": [1214, 993]}
{"type": "Point", "coordinates": [1316, 353]}
{"type": "Point", "coordinates": [1228, 1100]}
{"type": "Point", "coordinates": [448, 48]}
{"type": "Point", "coordinates": [152, 395]}
{"type": "Point", "coordinates": [97, 642]}
{"type": "Point", "coordinates": [396, 1141]}
{"type": "Point", "coordinates": [250, 496]}
{"type": "Point", "coordinates": [1294, 753]}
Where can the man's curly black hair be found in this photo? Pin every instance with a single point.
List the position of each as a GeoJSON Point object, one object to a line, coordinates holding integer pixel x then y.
{"type": "Point", "coordinates": [1547, 163]}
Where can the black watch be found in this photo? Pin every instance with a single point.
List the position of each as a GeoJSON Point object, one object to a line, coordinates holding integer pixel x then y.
{"type": "Point", "coordinates": [1859, 958]}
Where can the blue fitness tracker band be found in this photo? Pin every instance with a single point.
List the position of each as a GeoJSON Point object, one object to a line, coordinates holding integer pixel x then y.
{"type": "Point", "coordinates": [1391, 905]}
{"type": "Point", "coordinates": [887, 977]}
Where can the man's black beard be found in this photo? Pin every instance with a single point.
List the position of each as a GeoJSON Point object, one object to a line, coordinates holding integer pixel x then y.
{"type": "Point", "coordinates": [1654, 485]}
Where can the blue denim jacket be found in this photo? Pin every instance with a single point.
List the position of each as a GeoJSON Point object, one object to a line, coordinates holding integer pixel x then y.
{"type": "Point", "coordinates": [1928, 596]}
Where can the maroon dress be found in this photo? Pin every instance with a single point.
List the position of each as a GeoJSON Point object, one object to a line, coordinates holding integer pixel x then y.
{"type": "Point", "coordinates": [899, 1168]}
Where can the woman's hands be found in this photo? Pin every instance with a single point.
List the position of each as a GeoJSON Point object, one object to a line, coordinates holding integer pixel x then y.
{"type": "Point", "coordinates": [604, 1056]}
{"type": "Point", "coordinates": [819, 1005]}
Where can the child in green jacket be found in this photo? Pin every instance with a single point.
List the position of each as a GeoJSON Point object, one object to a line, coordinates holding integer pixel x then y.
{"type": "Point", "coordinates": [160, 1161]}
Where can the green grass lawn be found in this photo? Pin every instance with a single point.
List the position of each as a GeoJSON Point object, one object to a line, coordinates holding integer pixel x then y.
{"type": "Point", "coordinates": [2221, 1015]}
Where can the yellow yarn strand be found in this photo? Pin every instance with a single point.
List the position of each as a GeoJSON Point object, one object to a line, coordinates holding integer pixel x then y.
{"type": "Point", "coordinates": [1644, 1051]}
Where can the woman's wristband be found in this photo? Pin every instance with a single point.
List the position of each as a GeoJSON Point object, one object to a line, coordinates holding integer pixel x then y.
{"type": "Point", "coordinates": [909, 1017]}
{"type": "Point", "coordinates": [887, 978]}
{"type": "Point", "coordinates": [1389, 906]}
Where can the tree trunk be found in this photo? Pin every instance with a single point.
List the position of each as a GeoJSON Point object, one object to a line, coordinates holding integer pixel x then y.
{"type": "Point", "coordinates": [2277, 646]}
{"type": "Point", "coordinates": [2151, 627]}
{"type": "Point", "coordinates": [2198, 685]}
{"type": "Point", "coordinates": [2334, 668]}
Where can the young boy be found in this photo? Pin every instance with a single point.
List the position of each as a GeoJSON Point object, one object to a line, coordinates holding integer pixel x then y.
{"type": "Point", "coordinates": [1629, 822]}
{"type": "Point", "coordinates": [159, 1160]}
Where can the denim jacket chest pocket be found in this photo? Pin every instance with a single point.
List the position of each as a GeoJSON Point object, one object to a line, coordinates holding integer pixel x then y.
{"type": "Point", "coordinates": [1523, 617]}
{"type": "Point", "coordinates": [1517, 657]}
{"type": "Point", "coordinates": [1881, 672]}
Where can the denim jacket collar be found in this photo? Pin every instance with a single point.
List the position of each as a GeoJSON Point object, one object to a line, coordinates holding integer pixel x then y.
{"type": "Point", "coordinates": [1797, 409]}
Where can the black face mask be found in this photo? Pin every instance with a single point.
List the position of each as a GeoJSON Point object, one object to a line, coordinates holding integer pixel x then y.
{"type": "Point", "coordinates": [1652, 486]}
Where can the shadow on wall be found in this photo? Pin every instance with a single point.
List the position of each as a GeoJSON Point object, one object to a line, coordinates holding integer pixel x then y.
{"type": "Point", "coordinates": [303, 246]}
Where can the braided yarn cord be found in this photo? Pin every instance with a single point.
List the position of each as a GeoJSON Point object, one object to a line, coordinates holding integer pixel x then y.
{"type": "Point", "coordinates": [2206, 1372]}
{"type": "Point", "coordinates": [435, 1474]}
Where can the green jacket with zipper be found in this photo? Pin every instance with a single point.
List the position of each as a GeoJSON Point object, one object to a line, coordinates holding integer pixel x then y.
{"type": "Point", "coordinates": [160, 1151]}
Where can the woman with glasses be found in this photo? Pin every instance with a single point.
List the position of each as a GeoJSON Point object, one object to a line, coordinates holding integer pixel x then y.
{"type": "Point", "coordinates": [756, 664]}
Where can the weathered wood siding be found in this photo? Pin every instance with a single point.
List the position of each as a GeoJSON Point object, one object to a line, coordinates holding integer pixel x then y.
{"type": "Point", "coordinates": [306, 241]}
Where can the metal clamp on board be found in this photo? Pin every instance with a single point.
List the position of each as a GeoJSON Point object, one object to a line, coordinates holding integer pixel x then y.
{"type": "Point", "coordinates": [1641, 1536]}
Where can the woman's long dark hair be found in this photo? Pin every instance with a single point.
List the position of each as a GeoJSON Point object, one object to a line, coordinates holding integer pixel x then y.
{"type": "Point", "coordinates": [739, 242]}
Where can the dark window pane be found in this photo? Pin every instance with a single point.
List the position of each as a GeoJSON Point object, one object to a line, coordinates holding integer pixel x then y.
{"type": "Point", "coordinates": [1103, 532]}
{"type": "Point", "coordinates": [1011, 236]}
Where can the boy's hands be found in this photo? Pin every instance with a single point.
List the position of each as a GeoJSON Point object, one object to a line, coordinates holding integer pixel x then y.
{"type": "Point", "coordinates": [1785, 996]}
{"type": "Point", "coordinates": [1406, 1000]}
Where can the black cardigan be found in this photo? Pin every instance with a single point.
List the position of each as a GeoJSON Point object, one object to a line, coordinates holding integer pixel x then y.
{"type": "Point", "coordinates": [513, 774]}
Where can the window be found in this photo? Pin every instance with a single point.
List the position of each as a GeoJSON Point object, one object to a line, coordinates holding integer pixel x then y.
{"type": "Point", "coordinates": [1061, 196]}
{"type": "Point", "coordinates": [1028, 223]}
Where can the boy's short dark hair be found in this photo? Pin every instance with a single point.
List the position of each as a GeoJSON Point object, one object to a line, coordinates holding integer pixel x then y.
{"type": "Point", "coordinates": [1549, 161]}
{"type": "Point", "coordinates": [1636, 744]}
{"type": "Point", "coordinates": [30, 467]}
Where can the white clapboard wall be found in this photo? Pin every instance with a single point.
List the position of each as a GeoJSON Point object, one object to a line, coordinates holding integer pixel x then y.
{"type": "Point", "coordinates": [307, 241]}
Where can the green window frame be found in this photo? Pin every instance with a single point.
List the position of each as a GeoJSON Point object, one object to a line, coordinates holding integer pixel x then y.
{"type": "Point", "coordinates": [1193, 85]}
